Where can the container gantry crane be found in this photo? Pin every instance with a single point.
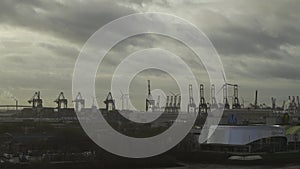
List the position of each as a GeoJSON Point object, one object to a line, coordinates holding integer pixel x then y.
{"type": "Point", "coordinates": [110, 102]}
{"type": "Point", "coordinates": [79, 102]}
{"type": "Point", "coordinates": [61, 100]}
{"type": "Point", "coordinates": [191, 105]}
{"type": "Point", "coordinates": [214, 103]}
{"type": "Point", "coordinates": [150, 102]}
{"type": "Point", "coordinates": [202, 105]}
{"type": "Point", "coordinates": [236, 103]}
{"type": "Point", "coordinates": [36, 100]}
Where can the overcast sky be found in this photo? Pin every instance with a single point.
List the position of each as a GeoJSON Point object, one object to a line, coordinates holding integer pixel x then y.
{"type": "Point", "coordinates": [257, 40]}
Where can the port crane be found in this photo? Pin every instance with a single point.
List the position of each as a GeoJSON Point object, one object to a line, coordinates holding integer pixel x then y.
{"type": "Point", "coordinates": [225, 97]}
{"type": "Point", "coordinates": [214, 103]}
{"type": "Point", "coordinates": [124, 97]}
{"type": "Point", "coordinates": [255, 100]}
{"type": "Point", "coordinates": [191, 105]}
{"type": "Point", "coordinates": [273, 103]}
{"type": "Point", "coordinates": [236, 103]}
{"type": "Point", "coordinates": [79, 102]}
{"type": "Point", "coordinates": [225, 93]}
{"type": "Point", "coordinates": [150, 103]}
{"type": "Point", "coordinates": [176, 105]}
{"type": "Point", "coordinates": [158, 102]}
{"type": "Point", "coordinates": [179, 103]}
{"type": "Point", "coordinates": [110, 102]}
{"type": "Point", "coordinates": [36, 100]}
{"type": "Point", "coordinates": [61, 100]}
{"type": "Point", "coordinates": [167, 104]}
{"type": "Point", "coordinates": [202, 105]}
{"type": "Point", "coordinates": [171, 103]}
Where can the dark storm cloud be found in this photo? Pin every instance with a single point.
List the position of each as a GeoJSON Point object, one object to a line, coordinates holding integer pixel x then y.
{"type": "Point", "coordinates": [236, 40]}
{"type": "Point", "coordinates": [249, 35]}
{"type": "Point", "coordinates": [257, 27]}
{"type": "Point", "coordinates": [72, 20]}
{"type": "Point", "coordinates": [268, 69]}
{"type": "Point", "coordinates": [256, 39]}
{"type": "Point", "coordinates": [57, 29]}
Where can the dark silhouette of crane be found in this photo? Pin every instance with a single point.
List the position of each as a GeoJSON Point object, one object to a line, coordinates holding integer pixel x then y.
{"type": "Point", "coordinates": [167, 104]}
{"type": "Point", "coordinates": [61, 101]}
{"type": "Point", "coordinates": [202, 105]}
{"type": "Point", "coordinates": [36, 100]}
{"type": "Point", "coordinates": [191, 105]}
{"type": "Point", "coordinates": [171, 103]}
{"type": "Point", "coordinates": [225, 97]}
{"type": "Point", "coordinates": [150, 103]}
{"type": "Point", "coordinates": [298, 103]}
{"type": "Point", "coordinates": [179, 103]}
{"type": "Point", "coordinates": [174, 105]}
{"type": "Point", "coordinates": [255, 100]}
{"type": "Point", "coordinates": [109, 102]}
{"type": "Point", "coordinates": [236, 103]}
{"type": "Point", "coordinates": [273, 103]}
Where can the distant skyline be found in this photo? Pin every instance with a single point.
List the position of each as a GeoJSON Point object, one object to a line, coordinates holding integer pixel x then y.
{"type": "Point", "coordinates": [258, 42]}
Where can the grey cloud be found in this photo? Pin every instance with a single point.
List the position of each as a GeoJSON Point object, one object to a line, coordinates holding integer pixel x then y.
{"type": "Point", "coordinates": [254, 39]}
{"type": "Point", "coordinates": [61, 50]}
{"type": "Point", "coordinates": [75, 21]}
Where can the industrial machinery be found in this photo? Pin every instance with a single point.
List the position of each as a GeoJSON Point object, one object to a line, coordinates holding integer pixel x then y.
{"type": "Point", "coordinates": [214, 103]}
{"type": "Point", "coordinates": [202, 105]}
{"type": "Point", "coordinates": [236, 103]}
{"type": "Point", "coordinates": [36, 100]}
{"type": "Point", "coordinates": [79, 102]}
{"type": "Point", "coordinates": [110, 102]}
{"type": "Point", "coordinates": [174, 104]}
{"type": "Point", "coordinates": [61, 101]}
{"type": "Point", "coordinates": [225, 97]}
{"type": "Point", "coordinates": [191, 105]}
{"type": "Point", "coordinates": [150, 103]}
{"type": "Point", "coordinates": [255, 102]}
